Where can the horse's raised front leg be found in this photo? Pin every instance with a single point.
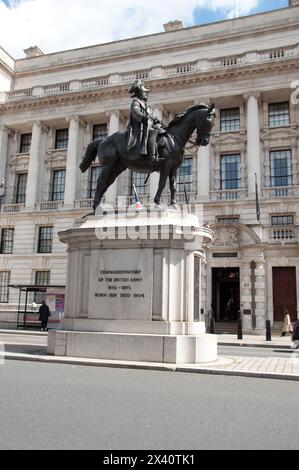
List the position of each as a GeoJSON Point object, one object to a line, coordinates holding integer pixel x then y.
{"type": "Point", "coordinates": [162, 183]}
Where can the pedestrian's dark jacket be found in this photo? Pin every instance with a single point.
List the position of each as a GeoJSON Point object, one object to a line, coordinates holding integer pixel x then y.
{"type": "Point", "coordinates": [44, 312]}
{"type": "Point", "coordinates": [295, 335]}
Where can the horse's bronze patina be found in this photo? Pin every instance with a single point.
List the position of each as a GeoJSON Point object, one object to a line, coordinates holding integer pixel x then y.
{"type": "Point", "coordinates": [115, 157]}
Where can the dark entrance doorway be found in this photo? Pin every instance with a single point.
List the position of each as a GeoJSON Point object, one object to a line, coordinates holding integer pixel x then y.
{"type": "Point", "coordinates": [226, 294]}
{"type": "Point", "coordinates": [284, 293]}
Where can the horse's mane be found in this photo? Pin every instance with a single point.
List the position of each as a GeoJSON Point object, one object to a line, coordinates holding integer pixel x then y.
{"type": "Point", "coordinates": [186, 112]}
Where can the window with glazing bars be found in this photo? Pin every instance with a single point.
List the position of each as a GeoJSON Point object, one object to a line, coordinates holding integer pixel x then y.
{"type": "Point", "coordinates": [94, 174]}
{"type": "Point", "coordinates": [21, 188]}
{"type": "Point", "coordinates": [282, 220]}
{"type": "Point", "coordinates": [138, 179]}
{"type": "Point", "coordinates": [25, 143]}
{"type": "Point", "coordinates": [61, 139]}
{"type": "Point", "coordinates": [184, 176]}
{"type": "Point", "coordinates": [230, 120]}
{"type": "Point", "coordinates": [42, 278]}
{"type": "Point", "coordinates": [281, 168]}
{"type": "Point", "coordinates": [58, 185]}
{"type": "Point", "coordinates": [279, 114]}
{"type": "Point", "coordinates": [228, 220]}
{"type": "Point", "coordinates": [99, 131]}
{"type": "Point", "coordinates": [7, 237]}
{"type": "Point", "coordinates": [4, 289]}
{"type": "Point", "coordinates": [230, 171]}
{"type": "Point", "coordinates": [45, 240]}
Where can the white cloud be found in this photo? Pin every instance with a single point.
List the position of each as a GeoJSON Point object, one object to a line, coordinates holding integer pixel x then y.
{"type": "Point", "coordinates": [56, 25]}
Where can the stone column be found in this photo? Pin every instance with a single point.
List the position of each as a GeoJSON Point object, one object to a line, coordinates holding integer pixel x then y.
{"type": "Point", "coordinates": [267, 173]}
{"type": "Point", "coordinates": [33, 168]}
{"type": "Point", "coordinates": [203, 173]}
{"type": "Point", "coordinates": [260, 293]}
{"type": "Point", "coordinates": [71, 162]}
{"type": "Point", "coordinates": [189, 313]}
{"type": "Point", "coordinates": [154, 178]}
{"type": "Point", "coordinates": [253, 143]}
{"type": "Point", "coordinates": [4, 131]}
{"type": "Point", "coordinates": [217, 168]}
{"type": "Point", "coordinates": [111, 194]}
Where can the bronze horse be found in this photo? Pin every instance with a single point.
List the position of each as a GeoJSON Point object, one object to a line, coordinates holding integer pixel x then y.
{"type": "Point", "coordinates": [116, 158]}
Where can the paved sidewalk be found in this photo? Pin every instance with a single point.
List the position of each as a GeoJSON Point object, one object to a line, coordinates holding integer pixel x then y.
{"type": "Point", "coordinates": [261, 367]}
{"type": "Point", "coordinates": [258, 341]}
{"type": "Point", "coordinates": [286, 368]}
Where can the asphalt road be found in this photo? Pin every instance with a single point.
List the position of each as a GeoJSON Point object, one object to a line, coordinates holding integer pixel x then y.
{"type": "Point", "coordinates": [52, 406]}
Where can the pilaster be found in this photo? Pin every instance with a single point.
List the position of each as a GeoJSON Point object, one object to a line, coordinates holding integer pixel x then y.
{"type": "Point", "coordinates": [4, 133]}
{"type": "Point", "coordinates": [253, 142]}
{"type": "Point", "coordinates": [72, 161]}
{"type": "Point", "coordinates": [34, 166]}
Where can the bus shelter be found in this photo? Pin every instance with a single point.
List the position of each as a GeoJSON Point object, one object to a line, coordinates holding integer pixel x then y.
{"type": "Point", "coordinates": [30, 299]}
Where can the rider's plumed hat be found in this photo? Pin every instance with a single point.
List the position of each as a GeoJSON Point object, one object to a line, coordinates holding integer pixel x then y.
{"type": "Point", "coordinates": [138, 85]}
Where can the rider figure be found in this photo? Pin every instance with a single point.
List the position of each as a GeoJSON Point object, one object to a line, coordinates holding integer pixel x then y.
{"type": "Point", "coordinates": [144, 127]}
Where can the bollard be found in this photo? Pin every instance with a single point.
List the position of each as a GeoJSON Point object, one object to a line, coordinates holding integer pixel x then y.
{"type": "Point", "coordinates": [240, 331]}
{"type": "Point", "coordinates": [268, 330]}
{"type": "Point", "coordinates": [212, 326]}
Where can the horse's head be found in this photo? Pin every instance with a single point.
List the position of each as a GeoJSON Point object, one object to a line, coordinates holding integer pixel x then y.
{"type": "Point", "coordinates": [205, 125]}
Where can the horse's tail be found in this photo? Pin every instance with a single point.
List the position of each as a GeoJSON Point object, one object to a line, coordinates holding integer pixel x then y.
{"type": "Point", "coordinates": [90, 155]}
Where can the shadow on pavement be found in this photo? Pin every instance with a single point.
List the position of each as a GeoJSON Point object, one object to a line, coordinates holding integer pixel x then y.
{"type": "Point", "coordinates": [24, 349]}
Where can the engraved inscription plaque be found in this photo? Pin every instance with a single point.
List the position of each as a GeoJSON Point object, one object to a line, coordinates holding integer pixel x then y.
{"type": "Point", "coordinates": [121, 285]}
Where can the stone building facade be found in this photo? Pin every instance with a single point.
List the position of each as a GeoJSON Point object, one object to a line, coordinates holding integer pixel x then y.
{"type": "Point", "coordinates": [53, 105]}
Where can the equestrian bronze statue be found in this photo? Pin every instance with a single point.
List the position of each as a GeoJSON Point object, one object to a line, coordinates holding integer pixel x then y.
{"type": "Point", "coordinates": [147, 145]}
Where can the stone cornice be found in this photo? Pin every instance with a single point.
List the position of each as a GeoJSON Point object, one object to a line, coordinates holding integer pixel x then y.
{"type": "Point", "coordinates": [152, 46]}
{"type": "Point", "coordinates": [120, 90]}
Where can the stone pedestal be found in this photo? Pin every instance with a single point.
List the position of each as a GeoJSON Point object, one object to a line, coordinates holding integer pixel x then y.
{"type": "Point", "coordinates": [130, 290]}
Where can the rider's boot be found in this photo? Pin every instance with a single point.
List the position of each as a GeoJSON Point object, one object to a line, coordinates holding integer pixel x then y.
{"type": "Point", "coordinates": [152, 146]}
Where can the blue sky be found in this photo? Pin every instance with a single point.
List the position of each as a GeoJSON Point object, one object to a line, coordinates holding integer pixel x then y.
{"type": "Point", "coordinates": [205, 15]}
{"type": "Point", "coordinates": [56, 25]}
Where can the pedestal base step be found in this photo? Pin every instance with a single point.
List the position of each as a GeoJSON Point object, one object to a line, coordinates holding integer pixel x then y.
{"type": "Point", "coordinates": [134, 347]}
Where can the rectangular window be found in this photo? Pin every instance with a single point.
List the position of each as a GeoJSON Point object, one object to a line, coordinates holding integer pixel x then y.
{"type": "Point", "coordinates": [58, 185]}
{"type": "Point", "coordinates": [282, 220]}
{"type": "Point", "coordinates": [99, 131]}
{"type": "Point", "coordinates": [61, 139]}
{"type": "Point", "coordinates": [7, 237]}
{"type": "Point", "coordinates": [21, 188]}
{"type": "Point", "coordinates": [42, 278]}
{"type": "Point", "coordinates": [230, 120]}
{"type": "Point", "coordinates": [184, 176]}
{"type": "Point", "coordinates": [281, 168]}
{"type": "Point", "coordinates": [25, 143]}
{"type": "Point", "coordinates": [4, 282]}
{"type": "Point", "coordinates": [94, 174]}
{"type": "Point", "coordinates": [138, 179]}
{"type": "Point", "coordinates": [45, 240]}
{"type": "Point", "coordinates": [230, 172]}
{"type": "Point", "coordinates": [279, 114]}
{"type": "Point", "coordinates": [228, 220]}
